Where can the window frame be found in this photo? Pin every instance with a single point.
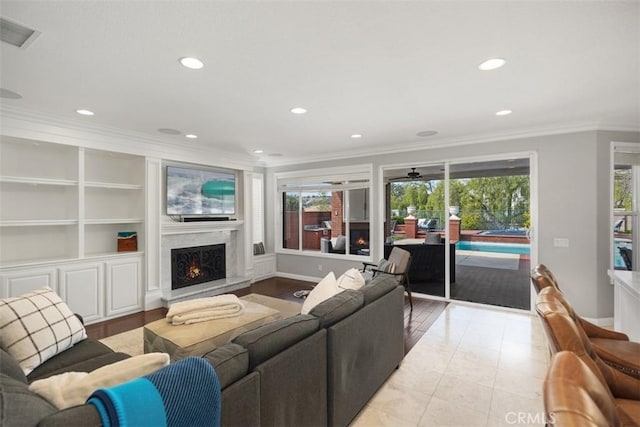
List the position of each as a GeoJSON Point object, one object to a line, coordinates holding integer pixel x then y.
{"type": "Point", "coordinates": [315, 180]}
{"type": "Point", "coordinates": [632, 149]}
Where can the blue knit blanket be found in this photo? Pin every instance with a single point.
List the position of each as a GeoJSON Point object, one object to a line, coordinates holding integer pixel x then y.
{"type": "Point", "coordinates": [185, 393]}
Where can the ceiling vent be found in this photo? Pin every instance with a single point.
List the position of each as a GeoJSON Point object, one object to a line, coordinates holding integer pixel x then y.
{"type": "Point", "coordinates": [17, 34]}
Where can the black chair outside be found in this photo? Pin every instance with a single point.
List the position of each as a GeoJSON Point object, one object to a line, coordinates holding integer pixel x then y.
{"type": "Point", "coordinates": [626, 255]}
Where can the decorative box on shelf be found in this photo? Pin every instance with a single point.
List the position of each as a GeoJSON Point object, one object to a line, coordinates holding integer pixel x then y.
{"type": "Point", "coordinates": [127, 241]}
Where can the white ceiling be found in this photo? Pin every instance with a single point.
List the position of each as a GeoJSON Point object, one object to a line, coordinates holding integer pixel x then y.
{"type": "Point", "coordinates": [383, 69]}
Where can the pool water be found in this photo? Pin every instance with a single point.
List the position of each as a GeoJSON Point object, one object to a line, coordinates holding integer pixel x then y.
{"type": "Point", "coordinates": [506, 232]}
{"type": "Point", "coordinates": [618, 261]}
{"type": "Point", "coordinates": [503, 248]}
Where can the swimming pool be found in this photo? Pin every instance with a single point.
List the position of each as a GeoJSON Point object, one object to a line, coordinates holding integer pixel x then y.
{"type": "Point", "coordinates": [508, 232]}
{"type": "Point", "coordinates": [618, 261]}
{"type": "Point", "coordinates": [503, 248]}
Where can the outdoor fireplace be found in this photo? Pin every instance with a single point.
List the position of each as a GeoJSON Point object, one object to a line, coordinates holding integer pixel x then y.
{"type": "Point", "coordinates": [359, 240]}
{"type": "Point", "coordinates": [194, 265]}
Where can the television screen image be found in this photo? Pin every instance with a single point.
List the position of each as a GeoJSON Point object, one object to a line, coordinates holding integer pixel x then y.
{"type": "Point", "coordinates": [200, 192]}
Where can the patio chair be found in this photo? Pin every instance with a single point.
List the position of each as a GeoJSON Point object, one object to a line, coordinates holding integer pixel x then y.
{"type": "Point", "coordinates": [397, 265]}
{"type": "Point", "coordinates": [626, 255]}
{"type": "Point", "coordinates": [618, 225]}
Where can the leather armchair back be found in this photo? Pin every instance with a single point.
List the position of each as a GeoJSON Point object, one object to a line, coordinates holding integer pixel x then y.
{"type": "Point", "coordinates": [574, 396]}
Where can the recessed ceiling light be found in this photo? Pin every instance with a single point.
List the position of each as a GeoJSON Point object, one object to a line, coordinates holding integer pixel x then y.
{"type": "Point", "coordinates": [85, 112]}
{"type": "Point", "coordinates": [9, 94]}
{"type": "Point", "coordinates": [193, 63]}
{"type": "Point", "coordinates": [427, 133]}
{"type": "Point", "coordinates": [169, 131]}
{"type": "Point", "coordinates": [298, 110]}
{"type": "Point", "coordinates": [258, 151]}
{"type": "Point", "coordinates": [356, 136]}
{"type": "Point", "coordinates": [492, 64]}
{"type": "Point", "coordinates": [191, 136]}
{"type": "Point", "coordinates": [504, 112]}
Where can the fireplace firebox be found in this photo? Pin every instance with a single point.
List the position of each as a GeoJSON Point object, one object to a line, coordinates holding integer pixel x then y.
{"type": "Point", "coordinates": [194, 265]}
{"type": "Point", "coordinates": [359, 240]}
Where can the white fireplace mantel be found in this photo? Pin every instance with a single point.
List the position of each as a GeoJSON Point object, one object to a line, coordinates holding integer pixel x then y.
{"type": "Point", "coordinates": [175, 227]}
{"type": "Point", "coordinates": [181, 234]}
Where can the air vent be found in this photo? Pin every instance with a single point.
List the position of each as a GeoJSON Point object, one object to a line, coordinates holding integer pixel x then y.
{"type": "Point", "coordinates": [17, 34]}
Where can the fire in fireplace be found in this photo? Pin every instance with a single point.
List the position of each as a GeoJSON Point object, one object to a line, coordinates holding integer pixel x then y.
{"type": "Point", "coordinates": [359, 240]}
{"type": "Point", "coordinates": [191, 266]}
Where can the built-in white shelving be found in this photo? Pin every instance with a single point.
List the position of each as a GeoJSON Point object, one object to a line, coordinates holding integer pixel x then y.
{"type": "Point", "coordinates": [66, 202]}
{"type": "Point", "coordinates": [37, 222]}
{"type": "Point", "coordinates": [37, 181]}
{"type": "Point", "coordinates": [61, 208]}
{"type": "Point", "coordinates": [114, 221]}
{"type": "Point", "coordinates": [114, 186]}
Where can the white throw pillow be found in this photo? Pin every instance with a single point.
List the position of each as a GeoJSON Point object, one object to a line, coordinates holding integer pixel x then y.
{"type": "Point", "coordinates": [36, 326]}
{"type": "Point", "coordinates": [351, 279]}
{"type": "Point", "coordinates": [74, 388]}
{"type": "Point", "coordinates": [325, 289]}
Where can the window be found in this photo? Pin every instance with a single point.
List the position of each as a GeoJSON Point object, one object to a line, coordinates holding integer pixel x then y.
{"type": "Point", "coordinates": [626, 210]}
{"type": "Point", "coordinates": [326, 214]}
{"type": "Point", "coordinates": [257, 214]}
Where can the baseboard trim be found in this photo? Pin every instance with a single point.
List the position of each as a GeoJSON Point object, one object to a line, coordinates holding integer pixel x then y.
{"type": "Point", "coordinates": [298, 277]}
{"type": "Point", "coordinates": [605, 322]}
{"type": "Point", "coordinates": [153, 300]}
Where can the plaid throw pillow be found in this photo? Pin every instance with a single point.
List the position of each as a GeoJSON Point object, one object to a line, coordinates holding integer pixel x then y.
{"type": "Point", "coordinates": [36, 326]}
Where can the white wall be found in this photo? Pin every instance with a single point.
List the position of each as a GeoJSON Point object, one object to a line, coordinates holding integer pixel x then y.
{"type": "Point", "coordinates": [573, 203]}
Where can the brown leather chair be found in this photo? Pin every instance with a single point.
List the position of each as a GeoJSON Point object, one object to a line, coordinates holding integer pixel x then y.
{"type": "Point", "coordinates": [564, 335]}
{"type": "Point", "coordinates": [613, 347]}
{"type": "Point", "coordinates": [574, 396]}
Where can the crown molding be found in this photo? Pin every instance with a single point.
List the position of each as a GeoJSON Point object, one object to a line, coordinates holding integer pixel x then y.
{"type": "Point", "coordinates": [28, 124]}
{"type": "Point", "coordinates": [437, 143]}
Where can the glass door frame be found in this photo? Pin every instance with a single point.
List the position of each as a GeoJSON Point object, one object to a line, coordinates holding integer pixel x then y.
{"type": "Point", "coordinates": [533, 209]}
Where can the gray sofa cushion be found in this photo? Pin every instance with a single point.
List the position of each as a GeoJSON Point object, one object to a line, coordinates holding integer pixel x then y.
{"type": "Point", "coordinates": [19, 405]}
{"type": "Point", "coordinates": [82, 415]}
{"type": "Point", "coordinates": [380, 285]}
{"type": "Point", "coordinates": [9, 366]}
{"type": "Point", "coordinates": [85, 366]}
{"type": "Point", "coordinates": [231, 362]}
{"type": "Point", "coordinates": [85, 356]}
{"type": "Point", "coordinates": [338, 307]}
{"type": "Point", "coordinates": [268, 340]}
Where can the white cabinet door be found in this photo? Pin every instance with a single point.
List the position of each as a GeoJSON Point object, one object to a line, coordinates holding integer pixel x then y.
{"type": "Point", "coordinates": [124, 286]}
{"type": "Point", "coordinates": [264, 266]}
{"type": "Point", "coordinates": [82, 287]}
{"type": "Point", "coordinates": [20, 282]}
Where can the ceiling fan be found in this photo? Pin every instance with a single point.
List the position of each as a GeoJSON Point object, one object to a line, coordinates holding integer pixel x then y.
{"type": "Point", "coordinates": [412, 175]}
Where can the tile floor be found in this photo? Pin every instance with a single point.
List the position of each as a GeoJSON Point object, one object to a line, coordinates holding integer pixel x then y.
{"type": "Point", "coordinates": [474, 367]}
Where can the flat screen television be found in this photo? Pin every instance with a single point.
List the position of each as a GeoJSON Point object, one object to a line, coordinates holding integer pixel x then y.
{"type": "Point", "coordinates": [196, 191]}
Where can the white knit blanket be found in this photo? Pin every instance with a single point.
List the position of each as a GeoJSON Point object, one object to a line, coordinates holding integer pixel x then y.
{"type": "Point", "coordinates": [204, 309]}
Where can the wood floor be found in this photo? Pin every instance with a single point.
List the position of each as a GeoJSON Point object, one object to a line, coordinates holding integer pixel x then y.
{"type": "Point", "coordinates": [416, 323]}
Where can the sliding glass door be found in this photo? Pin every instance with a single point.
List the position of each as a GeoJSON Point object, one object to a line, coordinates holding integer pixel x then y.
{"type": "Point", "coordinates": [467, 225]}
{"type": "Point", "coordinates": [418, 224]}
{"type": "Point", "coordinates": [492, 259]}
